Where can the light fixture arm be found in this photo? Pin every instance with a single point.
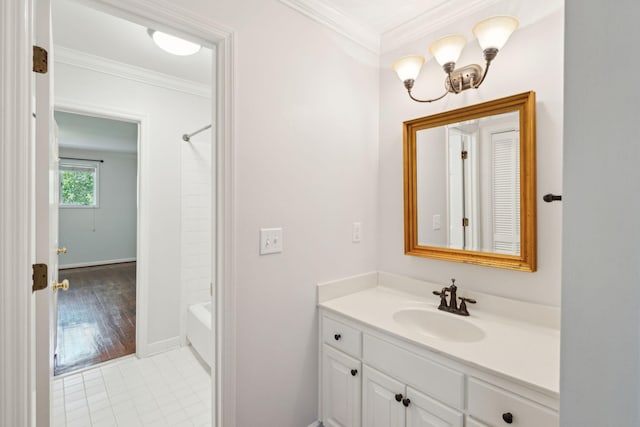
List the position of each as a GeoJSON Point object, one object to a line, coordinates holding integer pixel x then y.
{"type": "Point", "coordinates": [409, 85]}
{"type": "Point", "coordinates": [489, 55]}
{"type": "Point", "coordinates": [452, 86]}
{"type": "Point", "coordinates": [449, 68]}
{"type": "Point", "coordinates": [484, 74]}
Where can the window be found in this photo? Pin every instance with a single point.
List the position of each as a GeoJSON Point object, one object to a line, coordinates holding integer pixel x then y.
{"type": "Point", "coordinates": [78, 184]}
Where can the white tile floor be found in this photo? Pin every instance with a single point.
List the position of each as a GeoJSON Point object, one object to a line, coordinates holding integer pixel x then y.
{"type": "Point", "coordinates": [170, 389]}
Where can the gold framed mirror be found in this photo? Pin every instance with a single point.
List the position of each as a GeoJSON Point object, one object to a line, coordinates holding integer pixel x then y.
{"type": "Point", "coordinates": [470, 184]}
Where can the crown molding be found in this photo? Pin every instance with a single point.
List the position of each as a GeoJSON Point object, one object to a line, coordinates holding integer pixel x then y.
{"type": "Point", "coordinates": [431, 21]}
{"type": "Point", "coordinates": [444, 14]}
{"type": "Point", "coordinates": [338, 22]}
{"type": "Point", "coordinates": [63, 55]}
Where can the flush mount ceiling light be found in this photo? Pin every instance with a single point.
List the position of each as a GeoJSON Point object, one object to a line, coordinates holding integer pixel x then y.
{"type": "Point", "coordinates": [173, 44]}
{"type": "Point", "coordinates": [492, 34]}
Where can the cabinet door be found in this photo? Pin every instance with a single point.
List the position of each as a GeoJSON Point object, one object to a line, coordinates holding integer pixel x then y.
{"type": "Point", "coordinates": [473, 423]}
{"type": "Point", "coordinates": [423, 411]}
{"type": "Point", "coordinates": [341, 389]}
{"type": "Point", "coordinates": [382, 399]}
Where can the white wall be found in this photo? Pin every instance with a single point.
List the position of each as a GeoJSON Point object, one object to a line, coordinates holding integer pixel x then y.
{"type": "Point", "coordinates": [168, 114]}
{"type": "Point", "coordinates": [531, 60]}
{"type": "Point", "coordinates": [108, 233]}
{"type": "Point", "coordinates": [306, 156]}
{"type": "Point", "coordinates": [600, 350]}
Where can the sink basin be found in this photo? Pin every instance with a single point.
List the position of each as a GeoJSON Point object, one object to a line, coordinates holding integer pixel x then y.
{"type": "Point", "coordinates": [441, 325]}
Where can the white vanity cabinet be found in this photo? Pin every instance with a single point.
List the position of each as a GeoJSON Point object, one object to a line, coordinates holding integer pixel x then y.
{"type": "Point", "coordinates": [341, 374]}
{"type": "Point", "coordinates": [382, 400]}
{"type": "Point", "coordinates": [371, 378]}
{"type": "Point", "coordinates": [341, 389]}
{"type": "Point", "coordinates": [473, 423]}
{"type": "Point", "coordinates": [390, 403]}
{"type": "Point", "coordinates": [496, 406]}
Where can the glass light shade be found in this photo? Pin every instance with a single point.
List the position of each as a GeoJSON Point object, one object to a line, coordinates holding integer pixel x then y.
{"type": "Point", "coordinates": [495, 31]}
{"type": "Point", "coordinates": [173, 44]}
{"type": "Point", "coordinates": [447, 49]}
{"type": "Point", "coordinates": [408, 67]}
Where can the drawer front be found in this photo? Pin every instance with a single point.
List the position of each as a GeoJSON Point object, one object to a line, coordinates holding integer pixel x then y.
{"type": "Point", "coordinates": [431, 378]}
{"type": "Point", "coordinates": [342, 337]}
{"type": "Point", "coordinates": [496, 406]}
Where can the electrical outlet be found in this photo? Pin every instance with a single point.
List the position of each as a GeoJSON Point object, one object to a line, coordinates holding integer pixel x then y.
{"type": "Point", "coordinates": [356, 232]}
{"type": "Point", "coordinates": [270, 241]}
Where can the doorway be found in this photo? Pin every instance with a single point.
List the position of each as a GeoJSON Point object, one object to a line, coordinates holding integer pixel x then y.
{"type": "Point", "coordinates": [98, 222]}
{"type": "Point", "coordinates": [30, 351]}
{"type": "Point", "coordinates": [220, 108]}
{"type": "Point", "coordinates": [121, 74]}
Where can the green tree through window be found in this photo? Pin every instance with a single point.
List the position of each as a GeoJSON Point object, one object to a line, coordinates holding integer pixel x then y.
{"type": "Point", "coordinates": [78, 185]}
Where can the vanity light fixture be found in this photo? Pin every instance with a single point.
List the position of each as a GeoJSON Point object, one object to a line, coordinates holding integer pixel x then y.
{"type": "Point", "coordinates": [492, 34]}
{"type": "Point", "coordinates": [173, 44]}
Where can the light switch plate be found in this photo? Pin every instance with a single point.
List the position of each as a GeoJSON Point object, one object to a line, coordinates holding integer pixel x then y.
{"type": "Point", "coordinates": [436, 222]}
{"type": "Point", "coordinates": [356, 232]}
{"type": "Point", "coordinates": [270, 241]}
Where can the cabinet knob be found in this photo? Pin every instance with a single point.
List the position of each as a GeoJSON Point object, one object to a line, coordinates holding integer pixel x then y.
{"type": "Point", "coordinates": [354, 372]}
{"type": "Point", "coordinates": [337, 337]}
{"type": "Point", "coordinates": [507, 417]}
{"type": "Point", "coordinates": [398, 397]}
{"type": "Point", "coordinates": [406, 402]}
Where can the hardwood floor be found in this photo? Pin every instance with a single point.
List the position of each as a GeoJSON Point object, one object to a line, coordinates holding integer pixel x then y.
{"type": "Point", "coordinates": [96, 316]}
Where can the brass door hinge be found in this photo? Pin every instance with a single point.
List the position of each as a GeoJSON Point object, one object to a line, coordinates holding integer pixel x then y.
{"type": "Point", "coordinates": [464, 155]}
{"type": "Point", "coordinates": [465, 222]}
{"type": "Point", "coordinates": [40, 60]}
{"type": "Point", "coordinates": [40, 277]}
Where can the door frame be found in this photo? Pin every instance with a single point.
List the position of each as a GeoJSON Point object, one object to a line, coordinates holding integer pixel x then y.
{"type": "Point", "coordinates": [17, 215]}
{"type": "Point", "coordinates": [17, 203]}
{"type": "Point", "coordinates": [142, 233]}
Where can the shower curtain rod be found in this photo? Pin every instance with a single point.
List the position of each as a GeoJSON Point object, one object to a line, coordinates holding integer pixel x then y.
{"type": "Point", "coordinates": [187, 137]}
{"type": "Point", "coordinates": [76, 158]}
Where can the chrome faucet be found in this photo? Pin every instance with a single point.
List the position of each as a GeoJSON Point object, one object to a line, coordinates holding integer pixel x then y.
{"type": "Point", "coordinates": [452, 305]}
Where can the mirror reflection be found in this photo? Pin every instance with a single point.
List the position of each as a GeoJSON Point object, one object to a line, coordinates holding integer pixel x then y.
{"type": "Point", "coordinates": [468, 185]}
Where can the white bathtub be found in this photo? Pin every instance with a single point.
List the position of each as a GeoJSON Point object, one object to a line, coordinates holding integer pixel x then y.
{"type": "Point", "coordinates": [199, 330]}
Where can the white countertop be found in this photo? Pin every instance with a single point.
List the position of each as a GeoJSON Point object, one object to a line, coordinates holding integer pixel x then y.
{"type": "Point", "coordinates": [524, 351]}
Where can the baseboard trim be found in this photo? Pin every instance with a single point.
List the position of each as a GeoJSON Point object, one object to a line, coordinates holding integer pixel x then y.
{"type": "Point", "coordinates": [111, 362]}
{"type": "Point", "coordinates": [94, 263]}
{"type": "Point", "coordinates": [158, 347]}
{"type": "Point", "coordinates": [316, 424]}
